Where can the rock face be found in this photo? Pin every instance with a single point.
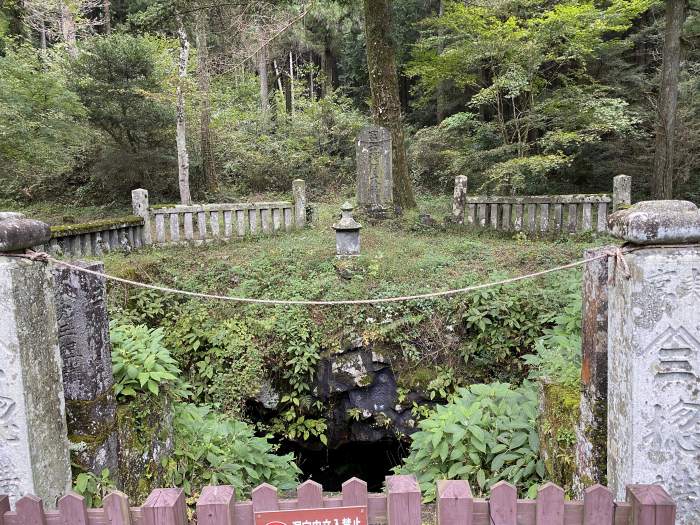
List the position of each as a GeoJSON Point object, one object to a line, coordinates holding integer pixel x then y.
{"type": "Point", "coordinates": [375, 184]}
{"type": "Point", "coordinates": [18, 233]}
{"type": "Point", "coordinates": [654, 369]}
{"type": "Point", "coordinates": [83, 330]}
{"type": "Point", "coordinates": [33, 447]}
{"type": "Point", "coordinates": [657, 222]}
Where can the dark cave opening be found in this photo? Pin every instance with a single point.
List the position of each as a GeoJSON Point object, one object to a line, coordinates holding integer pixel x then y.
{"type": "Point", "coordinates": [369, 461]}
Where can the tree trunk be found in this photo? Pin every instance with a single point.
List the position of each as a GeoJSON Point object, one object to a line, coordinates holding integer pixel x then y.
{"type": "Point", "coordinates": [384, 86]}
{"type": "Point", "coordinates": [183, 160]}
{"type": "Point", "coordinates": [107, 16]}
{"type": "Point", "coordinates": [328, 66]}
{"type": "Point", "coordinates": [441, 98]}
{"type": "Point", "coordinates": [42, 35]}
{"type": "Point", "coordinates": [291, 84]}
{"type": "Point", "coordinates": [68, 30]}
{"type": "Point", "coordinates": [205, 148]}
{"type": "Point", "coordinates": [662, 187]}
{"type": "Point", "coordinates": [262, 76]}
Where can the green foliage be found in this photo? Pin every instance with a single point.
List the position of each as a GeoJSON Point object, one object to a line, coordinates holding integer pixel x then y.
{"type": "Point", "coordinates": [557, 357]}
{"type": "Point", "coordinates": [141, 364]}
{"type": "Point", "coordinates": [94, 488]}
{"type": "Point", "coordinates": [42, 124]}
{"type": "Point", "coordinates": [485, 435]}
{"type": "Point", "coordinates": [211, 449]}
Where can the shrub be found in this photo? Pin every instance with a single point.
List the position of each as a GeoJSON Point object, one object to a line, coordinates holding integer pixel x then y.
{"type": "Point", "coordinates": [486, 434]}
{"type": "Point", "coordinates": [141, 364]}
{"type": "Point", "coordinates": [212, 449]}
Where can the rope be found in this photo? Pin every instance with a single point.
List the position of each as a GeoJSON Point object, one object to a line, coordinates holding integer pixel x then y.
{"type": "Point", "coordinates": [617, 253]}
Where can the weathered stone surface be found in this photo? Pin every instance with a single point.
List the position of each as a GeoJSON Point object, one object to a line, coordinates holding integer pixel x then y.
{"type": "Point", "coordinates": [141, 207]}
{"type": "Point", "coordinates": [375, 184]}
{"type": "Point", "coordinates": [459, 199]}
{"type": "Point", "coordinates": [5, 215]}
{"type": "Point", "coordinates": [33, 446]}
{"type": "Point", "coordinates": [19, 234]}
{"type": "Point", "coordinates": [83, 332]}
{"type": "Point", "coordinates": [299, 197]}
{"type": "Point", "coordinates": [622, 191]}
{"type": "Point", "coordinates": [657, 222]}
{"type": "Point", "coordinates": [654, 375]}
{"type": "Point", "coordinates": [347, 233]}
{"type": "Point", "coordinates": [268, 396]}
{"type": "Point", "coordinates": [591, 432]}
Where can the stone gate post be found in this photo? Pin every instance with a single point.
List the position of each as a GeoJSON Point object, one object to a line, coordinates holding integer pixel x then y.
{"type": "Point", "coordinates": [654, 353]}
{"type": "Point", "coordinates": [34, 456]}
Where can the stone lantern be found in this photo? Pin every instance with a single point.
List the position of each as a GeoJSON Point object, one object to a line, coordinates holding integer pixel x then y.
{"type": "Point", "coordinates": [347, 233]}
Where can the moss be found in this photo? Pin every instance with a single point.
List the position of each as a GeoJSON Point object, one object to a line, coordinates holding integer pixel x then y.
{"type": "Point", "coordinates": [414, 378]}
{"type": "Point", "coordinates": [86, 227]}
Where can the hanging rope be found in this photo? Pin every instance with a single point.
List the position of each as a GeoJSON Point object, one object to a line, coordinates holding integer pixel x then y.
{"type": "Point", "coordinates": [616, 253]}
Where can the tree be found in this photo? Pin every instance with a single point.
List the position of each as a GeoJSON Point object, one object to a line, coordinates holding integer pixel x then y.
{"type": "Point", "coordinates": [662, 182]}
{"type": "Point", "coordinates": [204, 84]}
{"type": "Point", "coordinates": [384, 85]}
{"type": "Point", "coordinates": [183, 159]}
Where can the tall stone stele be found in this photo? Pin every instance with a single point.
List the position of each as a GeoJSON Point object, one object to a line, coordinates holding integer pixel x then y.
{"type": "Point", "coordinates": [654, 353]}
{"type": "Point", "coordinates": [34, 456]}
{"type": "Point", "coordinates": [375, 183]}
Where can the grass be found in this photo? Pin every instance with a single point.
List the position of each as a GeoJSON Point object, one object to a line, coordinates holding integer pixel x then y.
{"type": "Point", "coordinates": [398, 257]}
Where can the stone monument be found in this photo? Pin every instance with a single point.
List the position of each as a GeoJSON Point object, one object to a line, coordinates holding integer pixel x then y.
{"type": "Point", "coordinates": [347, 233]}
{"type": "Point", "coordinates": [375, 182]}
{"type": "Point", "coordinates": [34, 456]}
{"type": "Point", "coordinates": [654, 353]}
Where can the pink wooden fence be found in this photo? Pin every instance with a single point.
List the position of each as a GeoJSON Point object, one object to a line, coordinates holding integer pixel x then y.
{"type": "Point", "coordinates": [401, 505]}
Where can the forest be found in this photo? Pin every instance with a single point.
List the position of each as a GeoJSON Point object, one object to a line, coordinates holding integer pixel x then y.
{"type": "Point", "coordinates": [227, 101]}
{"type": "Point", "coordinates": [208, 100]}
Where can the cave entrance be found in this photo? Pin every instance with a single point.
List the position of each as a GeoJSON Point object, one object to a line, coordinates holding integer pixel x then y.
{"type": "Point", "coordinates": [369, 461]}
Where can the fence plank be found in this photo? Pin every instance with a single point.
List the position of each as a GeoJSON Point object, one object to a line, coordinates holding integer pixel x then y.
{"type": "Point", "coordinates": [455, 504]}
{"type": "Point", "coordinates": [558, 212]}
{"type": "Point", "coordinates": [482, 214]}
{"type": "Point", "coordinates": [403, 500]}
{"type": "Point", "coordinates": [73, 509]}
{"type": "Point", "coordinates": [188, 227]}
{"type": "Point", "coordinates": [30, 511]}
{"type": "Point", "coordinates": [493, 216]}
{"type": "Point", "coordinates": [265, 219]}
{"type": "Point", "coordinates": [550, 505]}
{"type": "Point", "coordinates": [602, 217]}
{"type": "Point", "coordinates": [214, 218]}
{"type": "Point", "coordinates": [309, 495]}
{"type": "Point", "coordinates": [354, 493]}
{"type": "Point", "coordinates": [544, 217]}
{"type": "Point", "coordinates": [586, 216]}
{"type": "Point", "coordinates": [253, 221]}
{"type": "Point", "coordinates": [518, 217]}
{"type": "Point", "coordinates": [216, 505]}
{"type": "Point", "coordinates": [264, 498]}
{"type": "Point", "coordinates": [276, 219]}
{"type": "Point", "coordinates": [164, 507]}
{"type": "Point", "coordinates": [114, 239]}
{"type": "Point", "coordinates": [86, 244]}
{"type": "Point", "coordinates": [240, 222]}
{"type": "Point", "coordinates": [572, 218]}
{"type": "Point", "coordinates": [202, 224]}
{"type": "Point", "coordinates": [598, 506]}
{"type": "Point", "coordinates": [160, 227]}
{"type": "Point", "coordinates": [503, 504]}
{"type": "Point", "coordinates": [532, 217]}
{"type": "Point", "coordinates": [228, 224]}
{"type": "Point", "coordinates": [288, 219]}
{"type": "Point", "coordinates": [174, 227]}
{"type": "Point", "coordinates": [651, 505]}
{"type": "Point", "coordinates": [469, 214]}
{"type": "Point", "coordinates": [243, 513]}
{"type": "Point", "coordinates": [4, 507]}
{"type": "Point", "coordinates": [116, 506]}
{"type": "Point", "coordinates": [75, 248]}
{"type": "Point", "coordinates": [505, 217]}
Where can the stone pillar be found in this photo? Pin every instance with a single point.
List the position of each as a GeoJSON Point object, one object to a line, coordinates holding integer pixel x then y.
{"type": "Point", "coordinates": [34, 455]}
{"type": "Point", "coordinates": [347, 233]}
{"type": "Point", "coordinates": [622, 191]}
{"type": "Point", "coordinates": [83, 338]}
{"type": "Point", "coordinates": [459, 199]}
{"type": "Point", "coordinates": [140, 205]}
{"type": "Point", "coordinates": [591, 432]}
{"type": "Point", "coordinates": [654, 354]}
{"type": "Point", "coordinates": [299, 196]}
{"type": "Point", "coordinates": [375, 182]}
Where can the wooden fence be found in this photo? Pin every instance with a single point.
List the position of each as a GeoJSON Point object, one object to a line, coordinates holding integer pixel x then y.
{"type": "Point", "coordinates": [542, 214]}
{"type": "Point", "coordinates": [400, 505]}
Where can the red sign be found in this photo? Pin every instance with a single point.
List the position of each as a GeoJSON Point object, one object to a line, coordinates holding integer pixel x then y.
{"type": "Point", "coordinates": [329, 516]}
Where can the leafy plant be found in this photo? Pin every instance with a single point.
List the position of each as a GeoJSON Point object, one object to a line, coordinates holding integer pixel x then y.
{"type": "Point", "coordinates": [212, 448]}
{"type": "Point", "coordinates": [94, 488]}
{"type": "Point", "coordinates": [141, 364]}
{"type": "Point", "coordinates": [486, 434]}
